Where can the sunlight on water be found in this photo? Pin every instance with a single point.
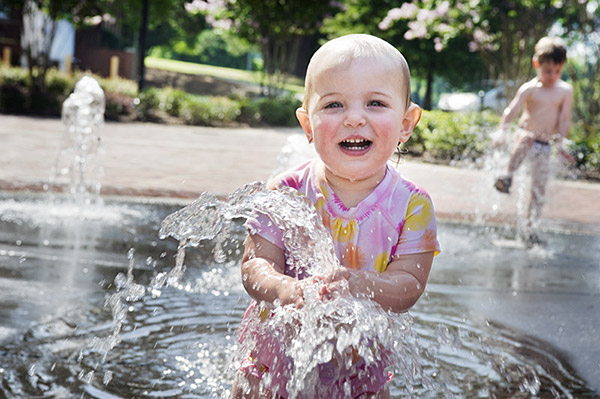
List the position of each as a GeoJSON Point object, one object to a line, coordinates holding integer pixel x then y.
{"type": "Point", "coordinates": [431, 355]}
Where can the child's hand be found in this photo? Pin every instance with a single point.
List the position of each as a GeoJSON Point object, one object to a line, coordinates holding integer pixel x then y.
{"type": "Point", "coordinates": [335, 284]}
{"type": "Point", "coordinates": [564, 152]}
{"type": "Point", "coordinates": [498, 138]}
{"type": "Point", "coordinates": [296, 295]}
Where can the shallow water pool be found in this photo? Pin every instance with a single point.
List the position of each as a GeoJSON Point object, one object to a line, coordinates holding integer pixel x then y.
{"type": "Point", "coordinates": [489, 325]}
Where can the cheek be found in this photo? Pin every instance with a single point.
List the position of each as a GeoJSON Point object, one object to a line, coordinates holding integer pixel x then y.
{"type": "Point", "coordinates": [324, 128]}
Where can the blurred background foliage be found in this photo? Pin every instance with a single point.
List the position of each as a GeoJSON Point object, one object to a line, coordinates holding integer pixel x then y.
{"type": "Point", "coordinates": [451, 46]}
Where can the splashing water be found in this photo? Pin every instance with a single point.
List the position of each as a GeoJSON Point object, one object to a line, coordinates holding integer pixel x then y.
{"type": "Point", "coordinates": [77, 169]}
{"type": "Point", "coordinates": [322, 339]}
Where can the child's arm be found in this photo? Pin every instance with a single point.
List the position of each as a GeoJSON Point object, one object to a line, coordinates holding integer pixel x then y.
{"type": "Point", "coordinates": [564, 124]}
{"type": "Point", "coordinates": [263, 274]}
{"type": "Point", "coordinates": [397, 289]}
{"type": "Point", "coordinates": [514, 108]}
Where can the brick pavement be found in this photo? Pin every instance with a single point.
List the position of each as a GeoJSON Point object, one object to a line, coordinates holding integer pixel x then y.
{"type": "Point", "coordinates": [182, 161]}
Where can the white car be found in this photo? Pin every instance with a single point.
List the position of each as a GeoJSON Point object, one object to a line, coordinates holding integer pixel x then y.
{"type": "Point", "coordinates": [493, 99]}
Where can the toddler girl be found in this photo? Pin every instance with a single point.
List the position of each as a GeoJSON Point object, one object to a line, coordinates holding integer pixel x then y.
{"type": "Point", "coordinates": [356, 111]}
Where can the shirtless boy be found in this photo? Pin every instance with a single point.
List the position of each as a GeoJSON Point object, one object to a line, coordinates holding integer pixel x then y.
{"type": "Point", "coordinates": [546, 102]}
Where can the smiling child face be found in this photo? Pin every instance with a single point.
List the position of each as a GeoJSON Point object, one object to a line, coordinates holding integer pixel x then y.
{"type": "Point", "coordinates": [357, 115]}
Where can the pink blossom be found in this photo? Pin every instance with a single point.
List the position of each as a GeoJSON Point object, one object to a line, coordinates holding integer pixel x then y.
{"type": "Point", "coordinates": [418, 28]}
{"type": "Point", "coordinates": [426, 15]}
{"type": "Point", "coordinates": [443, 28]}
{"type": "Point", "coordinates": [196, 5]}
{"type": "Point", "coordinates": [394, 14]}
{"type": "Point", "coordinates": [210, 6]}
{"type": "Point", "coordinates": [338, 4]}
{"type": "Point", "coordinates": [473, 47]}
{"type": "Point", "coordinates": [408, 10]}
{"type": "Point", "coordinates": [223, 24]}
{"type": "Point", "coordinates": [385, 24]}
{"type": "Point", "coordinates": [95, 20]}
{"type": "Point", "coordinates": [443, 8]}
{"type": "Point", "coordinates": [480, 36]}
{"type": "Point", "coordinates": [438, 44]}
{"type": "Point", "coordinates": [109, 18]}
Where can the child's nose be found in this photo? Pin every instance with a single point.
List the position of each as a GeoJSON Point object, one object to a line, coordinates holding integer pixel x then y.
{"type": "Point", "coordinates": [354, 118]}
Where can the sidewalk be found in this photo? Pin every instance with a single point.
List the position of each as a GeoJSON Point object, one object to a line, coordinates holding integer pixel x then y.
{"type": "Point", "coordinates": [183, 161]}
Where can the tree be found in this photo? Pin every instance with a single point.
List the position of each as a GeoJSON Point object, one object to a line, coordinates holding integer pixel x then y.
{"type": "Point", "coordinates": [581, 29]}
{"type": "Point", "coordinates": [431, 38]}
{"type": "Point", "coordinates": [38, 30]}
{"type": "Point", "coordinates": [276, 26]}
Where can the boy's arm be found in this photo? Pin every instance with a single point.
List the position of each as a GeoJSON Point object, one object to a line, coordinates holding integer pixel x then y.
{"type": "Point", "coordinates": [398, 288]}
{"type": "Point", "coordinates": [564, 116]}
{"type": "Point", "coordinates": [263, 277]}
{"type": "Point", "coordinates": [514, 108]}
{"type": "Point", "coordinates": [564, 123]}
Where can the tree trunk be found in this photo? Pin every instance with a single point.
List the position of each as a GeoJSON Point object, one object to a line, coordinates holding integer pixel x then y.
{"type": "Point", "coordinates": [429, 90]}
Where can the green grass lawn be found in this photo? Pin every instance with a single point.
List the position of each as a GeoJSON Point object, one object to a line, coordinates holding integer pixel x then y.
{"type": "Point", "coordinates": [294, 84]}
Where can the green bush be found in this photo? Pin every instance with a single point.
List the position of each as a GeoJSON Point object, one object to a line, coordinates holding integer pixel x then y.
{"type": "Point", "coordinates": [453, 135]}
{"type": "Point", "coordinates": [116, 85]}
{"type": "Point", "coordinates": [14, 90]}
{"type": "Point", "coordinates": [146, 104]}
{"type": "Point", "coordinates": [171, 100]}
{"type": "Point", "coordinates": [586, 151]}
{"type": "Point", "coordinates": [118, 106]}
{"type": "Point", "coordinates": [250, 112]}
{"type": "Point", "coordinates": [13, 75]}
{"type": "Point", "coordinates": [280, 111]}
{"type": "Point", "coordinates": [58, 88]}
{"type": "Point", "coordinates": [210, 111]}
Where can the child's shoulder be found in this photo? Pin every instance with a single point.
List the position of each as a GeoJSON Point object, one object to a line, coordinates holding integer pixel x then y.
{"type": "Point", "coordinates": [561, 84]}
{"type": "Point", "coordinates": [530, 84]}
{"type": "Point", "coordinates": [402, 184]}
{"type": "Point", "coordinates": [293, 178]}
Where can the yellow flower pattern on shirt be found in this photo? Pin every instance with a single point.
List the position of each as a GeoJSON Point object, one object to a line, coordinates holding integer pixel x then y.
{"type": "Point", "coordinates": [343, 230]}
{"type": "Point", "coordinates": [381, 262]}
{"type": "Point", "coordinates": [419, 212]}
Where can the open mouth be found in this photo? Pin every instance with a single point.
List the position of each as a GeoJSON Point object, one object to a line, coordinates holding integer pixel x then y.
{"type": "Point", "coordinates": [355, 144]}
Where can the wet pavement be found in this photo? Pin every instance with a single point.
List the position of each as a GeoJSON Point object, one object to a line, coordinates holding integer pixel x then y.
{"type": "Point", "coordinates": [557, 301]}
{"type": "Point", "coordinates": [183, 161]}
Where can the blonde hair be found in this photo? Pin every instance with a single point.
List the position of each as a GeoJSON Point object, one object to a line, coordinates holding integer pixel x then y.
{"type": "Point", "coordinates": [343, 50]}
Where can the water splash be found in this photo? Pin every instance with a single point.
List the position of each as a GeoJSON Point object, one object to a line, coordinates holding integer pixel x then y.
{"type": "Point", "coordinates": [323, 338]}
{"type": "Point", "coordinates": [77, 169]}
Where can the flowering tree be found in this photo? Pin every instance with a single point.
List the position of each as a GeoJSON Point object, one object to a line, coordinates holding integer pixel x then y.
{"type": "Point", "coordinates": [439, 28]}
{"type": "Point", "coordinates": [277, 26]}
{"type": "Point", "coordinates": [581, 29]}
{"type": "Point", "coordinates": [431, 36]}
{"type": "Point", "coordinates": [502, 32]}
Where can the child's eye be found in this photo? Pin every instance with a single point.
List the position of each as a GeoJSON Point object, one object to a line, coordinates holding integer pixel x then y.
{"type": "Point", "coordinates": [334, 104]}
{"type": "Point", "coordinates": [375, 103]}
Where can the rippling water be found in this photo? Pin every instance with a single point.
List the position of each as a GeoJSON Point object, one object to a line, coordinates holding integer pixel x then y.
{"type": "Point", "coordinates": [55, 279]}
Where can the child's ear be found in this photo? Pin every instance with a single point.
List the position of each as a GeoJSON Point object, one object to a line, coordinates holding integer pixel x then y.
{"type": "Point", "coordinates": [304, 120]}
{"type": "Point", "coordinates": [411, 118]}
{"type": "Point", "coordinates": [535, 63]}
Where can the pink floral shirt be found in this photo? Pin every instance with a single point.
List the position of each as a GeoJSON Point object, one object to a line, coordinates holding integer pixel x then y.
{"type": "Point", "coordinates": [397, 218]}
